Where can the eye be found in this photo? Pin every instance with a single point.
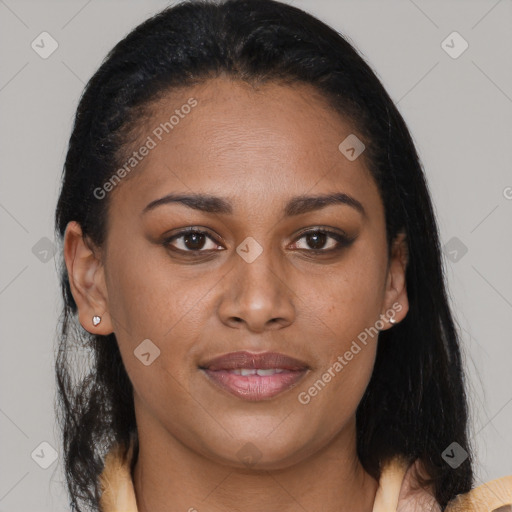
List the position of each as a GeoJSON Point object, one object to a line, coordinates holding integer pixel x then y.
{"type": "Point", "coordinates": [191, 240]}
{"type": "Point", "coordinates": [317, 241]}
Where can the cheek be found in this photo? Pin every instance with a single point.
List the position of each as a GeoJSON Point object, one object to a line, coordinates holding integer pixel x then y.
{"type": "Point", "coordinates": [345, 348]}
{"type": "Point", "coordinates": [348, 299]}
{"type": "Point", "coordinates": [151, 298]}
{"type": "Point", "coordinates": [349, 339]}
{"type": "Point", "coordinates": [152, 302]}
{"type": "Point", "coordinates": [345, 307]}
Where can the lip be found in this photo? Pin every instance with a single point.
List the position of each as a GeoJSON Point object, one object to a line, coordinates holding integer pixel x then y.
{"type": "Point", "coordinates": [250, 360]}
{"type": "Point", "coordinates": [254, 387]}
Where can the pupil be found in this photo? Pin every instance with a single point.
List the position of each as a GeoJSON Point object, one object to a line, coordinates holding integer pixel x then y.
{"type": "Point", "coordinates": [317, 238]}
{"type": "Point", "coordinates": [196, 244]}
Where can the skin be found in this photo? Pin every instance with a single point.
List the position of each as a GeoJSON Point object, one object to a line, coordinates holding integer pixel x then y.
{"type": "Point", "coordinates": [258, 148]}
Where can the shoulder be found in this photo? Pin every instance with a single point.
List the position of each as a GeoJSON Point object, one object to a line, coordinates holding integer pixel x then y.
{"type": "Point", "coordinates": [414, 498]}
{"type": "Point", "coordinates": [400, 491]}
{"type": "Point", "coordinates": [115, 481]}
{"type": "Point", "coordinates": [492, 496]}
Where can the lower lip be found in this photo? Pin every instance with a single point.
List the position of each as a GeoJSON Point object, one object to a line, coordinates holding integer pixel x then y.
{"type": "Point", "coordinates": [255, 387]}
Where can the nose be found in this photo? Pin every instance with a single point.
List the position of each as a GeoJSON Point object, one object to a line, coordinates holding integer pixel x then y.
{"type": "Point", "coordinates": [257, 296]}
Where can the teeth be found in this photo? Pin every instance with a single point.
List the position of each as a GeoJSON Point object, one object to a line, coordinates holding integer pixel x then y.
{"type": "Point", "coordinates": [256, 371]}
{"type": "Point", "coordinates": [270, 371]}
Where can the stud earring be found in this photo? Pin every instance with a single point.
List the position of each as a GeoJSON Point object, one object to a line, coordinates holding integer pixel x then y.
{"type": "Point", "coordinates": [96, 320]}
{"type": "Point", "coordinates": [392, 321]}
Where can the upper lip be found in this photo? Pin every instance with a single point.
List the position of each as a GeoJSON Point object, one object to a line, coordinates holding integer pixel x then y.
{"type": "Point", "coordinates": [248, 360]}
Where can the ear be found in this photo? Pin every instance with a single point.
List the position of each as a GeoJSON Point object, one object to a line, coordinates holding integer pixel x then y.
{"type": "Point", "coordinates": [86, 280]}
{"type": "Point", "coordinates": [396, 302]}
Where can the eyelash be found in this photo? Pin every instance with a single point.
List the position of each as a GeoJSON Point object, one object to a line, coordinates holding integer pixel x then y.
{"type": "Point", "coordinates": [342, 240]}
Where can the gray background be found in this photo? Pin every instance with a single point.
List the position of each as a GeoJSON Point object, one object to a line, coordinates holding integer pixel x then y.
{"type": "Point", "coordinates": [459, 111]}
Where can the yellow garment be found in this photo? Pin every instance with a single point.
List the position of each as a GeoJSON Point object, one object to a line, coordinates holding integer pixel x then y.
{"type": "Point", "coordinates": [393, 494]}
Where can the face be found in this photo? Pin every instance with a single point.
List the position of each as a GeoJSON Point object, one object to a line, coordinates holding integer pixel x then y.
{"type": "Point", "coordinates": [268, 270]}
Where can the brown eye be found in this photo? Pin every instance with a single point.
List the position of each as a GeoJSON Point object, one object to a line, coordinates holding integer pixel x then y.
{"type": "Point", "coordinates": [191, 240]}
{"type": "Point", "coordinates": [194, 241]}
{"type": "Point", "coordinates": [316, 240]}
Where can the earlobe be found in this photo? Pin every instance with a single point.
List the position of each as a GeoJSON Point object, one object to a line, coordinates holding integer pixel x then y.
{"type": "Point", "coordinates": [87, 281]}
{"type": "Point", "coordinates": [396, 300]}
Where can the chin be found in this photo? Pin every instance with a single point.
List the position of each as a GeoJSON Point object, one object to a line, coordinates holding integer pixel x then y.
{"type": "Point", "coordinates": [259, 453]}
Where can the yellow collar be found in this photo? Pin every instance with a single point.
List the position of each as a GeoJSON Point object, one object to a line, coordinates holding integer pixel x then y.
{"type": "Point", "coordinates": [118, 494]}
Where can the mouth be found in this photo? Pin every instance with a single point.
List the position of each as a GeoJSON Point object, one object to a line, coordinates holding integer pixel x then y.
{"type": "Point", "coordinates": [254, 377]}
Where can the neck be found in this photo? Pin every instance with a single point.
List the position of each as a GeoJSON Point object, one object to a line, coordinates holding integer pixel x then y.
{"type": "Point", "coordinates": [167, 472]}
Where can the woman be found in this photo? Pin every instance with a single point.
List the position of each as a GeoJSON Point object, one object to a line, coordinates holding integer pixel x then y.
{"type": "Point", "coordinates": [251, 257]}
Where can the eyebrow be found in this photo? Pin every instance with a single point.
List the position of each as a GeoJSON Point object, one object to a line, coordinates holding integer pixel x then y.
{"type": "Point", "coordinates": [219, 205]}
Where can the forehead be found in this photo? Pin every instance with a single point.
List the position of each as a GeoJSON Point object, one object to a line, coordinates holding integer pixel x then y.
{"type": "Point", "coordinates": [256, 145]}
